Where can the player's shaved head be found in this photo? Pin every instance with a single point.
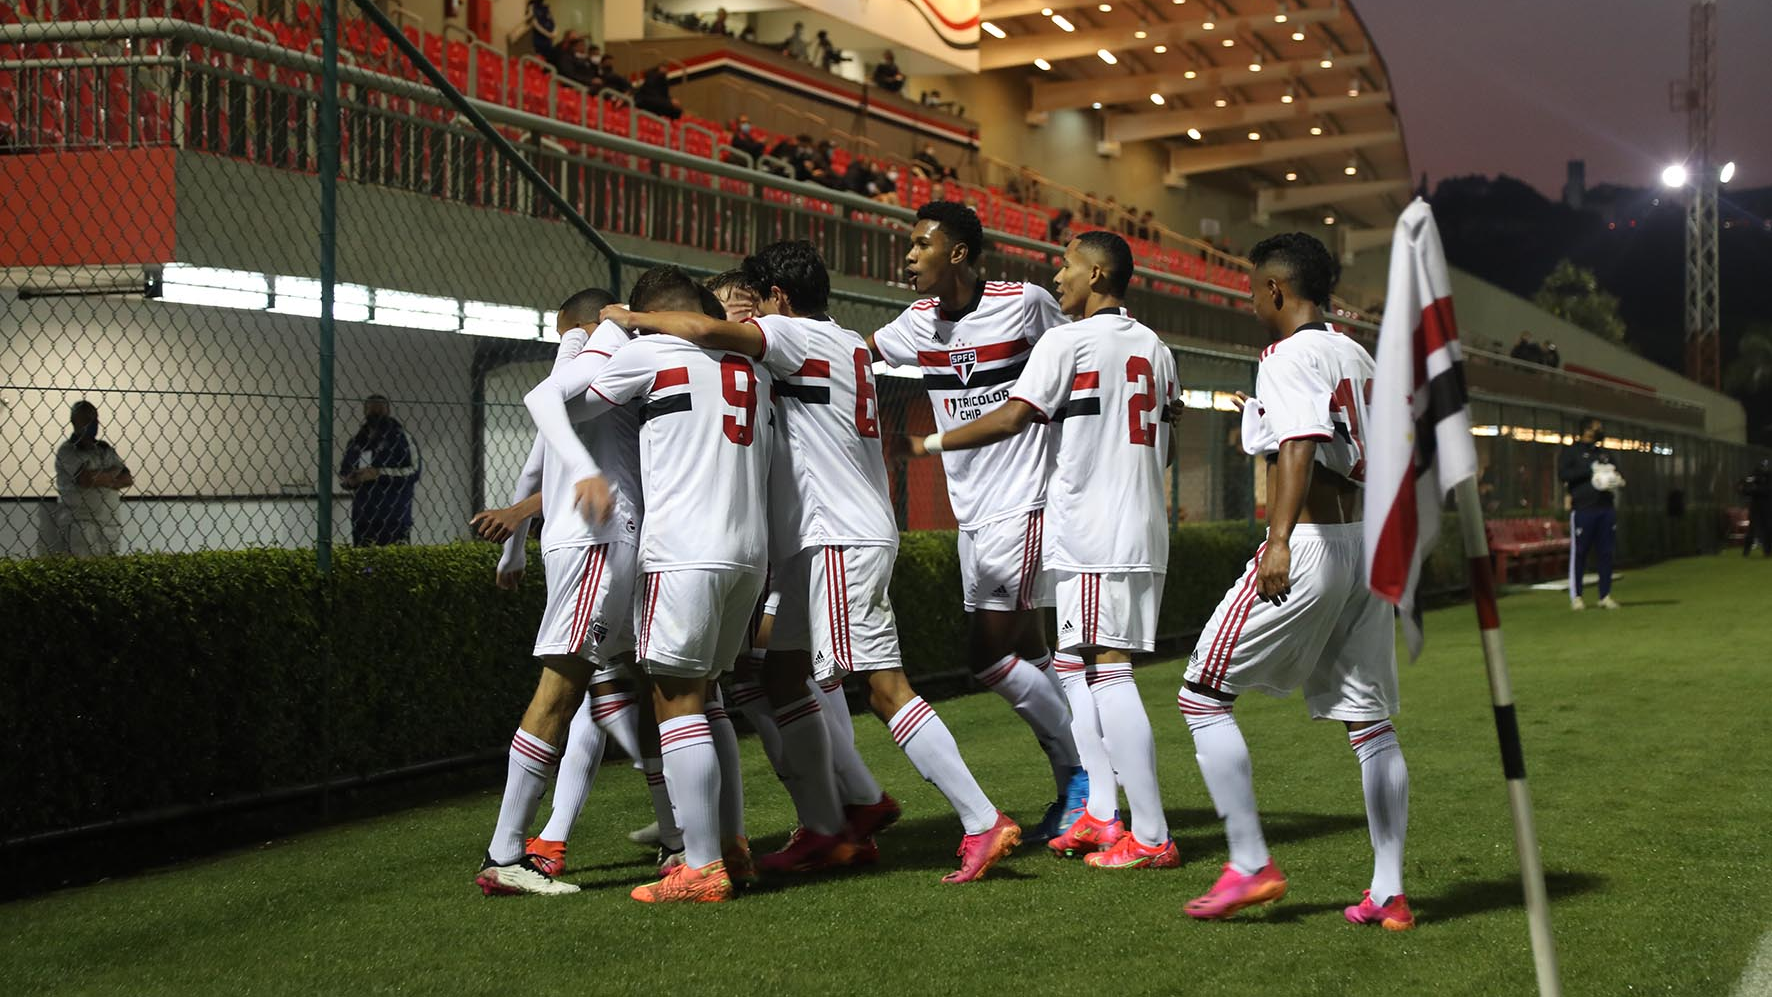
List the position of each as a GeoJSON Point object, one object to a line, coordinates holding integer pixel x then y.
{"type": "Point", "coordinates": [581, 310]}
{"type": "Point", "coordinates": [667, 289]}
{"type": "Point", "coordinates": [1302, 262]}
{"type": "Point", "coordinates": [1112, 254]}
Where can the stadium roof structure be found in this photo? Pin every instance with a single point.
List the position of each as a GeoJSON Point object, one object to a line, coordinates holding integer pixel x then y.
{"type": "Point", "coordinates": [1292, 95]}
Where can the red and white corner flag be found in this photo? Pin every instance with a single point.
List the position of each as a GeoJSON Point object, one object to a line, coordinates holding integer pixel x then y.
{"type": "Point", "coordinates": [1418, 433]}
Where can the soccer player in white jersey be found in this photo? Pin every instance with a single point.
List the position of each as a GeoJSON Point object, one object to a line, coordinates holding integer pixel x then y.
{"type": "Point", "coordinates": [705, 442]}
{"type": "Point", "coordinates": [833, 542]}
{"type": "Point", "coordinates": [970, 338]}
{"type": "Point", "coordinates": [585, 629]}
{"type": "Point", "coordinates": [1302, 615]}
{"type": "Point", "coordinates": [1105, 382]}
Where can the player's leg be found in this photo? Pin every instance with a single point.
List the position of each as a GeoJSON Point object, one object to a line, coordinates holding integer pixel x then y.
{"type": "Point", "coordinates": [666, 835]}
{"type": "Point", "coordinates": [1580, 542]}
{"type": "Point", "coordinates": [861, 634]}
{"type": "Point", "coordinates": [572, 786]}
{"type": "Point", "coordinates": [1249, 644]}
{"type": "Point", "coordinates": [735, 845]}
{"type": "Point", "coordinates": [1000, 573]}
{"type": "Point", "coordinates": [1605, 530]}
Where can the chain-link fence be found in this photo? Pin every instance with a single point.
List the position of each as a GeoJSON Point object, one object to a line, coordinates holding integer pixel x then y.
{"type": "Point", "coordinates": [165, 192]}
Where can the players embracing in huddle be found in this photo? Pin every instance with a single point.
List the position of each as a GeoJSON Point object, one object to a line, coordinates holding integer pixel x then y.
{"type": "Point", "coordinates": [690, 447]}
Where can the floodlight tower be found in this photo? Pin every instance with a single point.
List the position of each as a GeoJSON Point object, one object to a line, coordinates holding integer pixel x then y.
{"type": "Point", "coordinates": [1697, 96]}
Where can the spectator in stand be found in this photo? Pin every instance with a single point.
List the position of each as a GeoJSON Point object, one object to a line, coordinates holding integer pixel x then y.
{"type": "Point", "coordinates": [1141, 224]}
{"type": "Point", "coordinates": [825, 54]}
{"type": "Point", "coordinates": [1092, 211]}
{"type": "Point", "coordinates": [1147, 228]}
{"type": "Point", "coordinates": [654, 95]}
{"type": "Point", "coordinates": [611, 79]}
{"type": "Point", "coordinates": [744, 139]}
{"type": "Point", "coordinates": [748, 34]}
{"type": "Point", "coordinates": [1525, 350]}
{"type": "Point", "coordinates": [542, 33]}
{"type": "Point", "coordinates": [1551, 357]}
{"type": "Point", "coordinates": [1058, 230]}
{"type": "Point", "coordinates": [887, 182]}
{"type": "Point", "coordinates": [795, 46]}
{"type": "Point", "coordinates": [926, 163]}
{"type": "Point", "coordinates": [718, 25]}
{"type": "Point", "coordinates": [577, 62]}
{"type": "Point", "coordinates": [822, 170]}
{"type": "Point", "coordinates": [381, 467]}
{"type": "Point", "coordinates": [89, 479]}
{"type": "Point", "coordinates": [1756, 488]}
{"type": "Point", "coordinates": [887, 75]}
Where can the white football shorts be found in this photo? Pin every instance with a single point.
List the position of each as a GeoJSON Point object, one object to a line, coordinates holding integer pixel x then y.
{"type": "Point", "coordinates": [590, 602]}
{"type": "Point", "coordinates": [1331, 637]}
{"type": "Point", "coordinates": [834, 603]}
{"type": "Point", "coordinates": [1110, 609]}
{"type": "Point", "coordinates": [692, 623]}
{"type": "Point", "coordinates": [1000, 564]}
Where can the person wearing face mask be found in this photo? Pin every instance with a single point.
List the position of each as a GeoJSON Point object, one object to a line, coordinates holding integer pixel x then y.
{"type": "Point", "coordinates": [1587, 470]}
{"type": "Point", "coordinates": [381, 468]}
{"type": "Point", "coordinates": [89, 479]}
{"type": "Point", "coordinates": [745, 140]}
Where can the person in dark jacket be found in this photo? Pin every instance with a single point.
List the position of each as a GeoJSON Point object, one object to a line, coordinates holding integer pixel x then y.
{"type": "Point", "coordinates": [381, 468]}
{"type": "Point", "coordinates": [654, 95]}
{"type": "Point", "coordinates": [1588, 472]}
{"type": "Point", "coordinates": [1757, 489]}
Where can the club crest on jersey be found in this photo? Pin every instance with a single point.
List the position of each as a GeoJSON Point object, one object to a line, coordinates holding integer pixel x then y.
{"type": "Point", "coordinates": [963, 361]}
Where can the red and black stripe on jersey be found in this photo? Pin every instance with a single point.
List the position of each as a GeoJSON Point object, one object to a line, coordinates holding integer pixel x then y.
{"type": "Point", "coordinates": [794, 385]}
{"type": "Point", "coordinates": [956, 368]}
{"type": "Point", "coordinates": [1085, 397]}
{"type": "Point", "coordinates": [670, 377]}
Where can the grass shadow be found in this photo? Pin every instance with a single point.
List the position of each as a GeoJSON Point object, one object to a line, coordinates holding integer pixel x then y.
{"type": "Point", "coordinates": [1484, 895]}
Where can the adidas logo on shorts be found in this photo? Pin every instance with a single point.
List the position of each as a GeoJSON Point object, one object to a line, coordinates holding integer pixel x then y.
{"type": "Point", "coordinates": [818, 657]}
{"type": "Point", "coordinates": [1002, 590]}
{"type": "Point", "coordinates": [1067, 628]}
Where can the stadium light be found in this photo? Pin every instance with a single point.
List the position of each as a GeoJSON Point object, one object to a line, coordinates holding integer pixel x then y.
{"type": "Point", "coordinates": [1727, 173]}
{"type": "Point", "coordinates": [1328, 61]}
{"type": "Point", "coordinates": [1254, 136]}
{"type": "Point", "coordinates": [1207, 25]}
{"type": "Point", "coordinates": [1141, 34]}
{"type": "Point", "coordinates": [1674, 176]}
{"type": "Point", "coordinates": [1222, 101]}
{"type": "Point", "coordinates": [1298, 35]}
{"type": "Point", "coordinates": [1045, 11]}
{"type": "Point", "coordinates": [1160, 49]}
{"type": "Point", "coordinates": [1255, 64]}
{"type": "Point", "coordinates": [1190, 74]}
{"type": "Point", "coordinates": [1353, 86]}
{"type": "Point", "coordinates": [1291, 175]}
{"type": "Point", "coordinates": [1352, 167]}
{"type": "Point", "coordinates": [1106, 56]}
{"type": "Point", "coordinates": [1096, 105]}
{"type": "Point", "coordinates": [1316, 129]}
{"type": "Point", "coordinates": [1194, 133]}
{"type": "Point", "coordinates": [1228, 42]}
{"type": "Point", "coordinates": [1062, 23]}
{"type": "Point", "coordinates": [1157, 99]}
{"type": "Point", "coordinates": [1280, 15]}
{"type": "Point", "coordinates": [992, 29]}
{"type": "Point", "coordinates": [1104, 7]}
{"type": "Point", "coordinates": [1328, 219]}
{"type": "Point", "coordinates": [1042, 65]}
{"type": "Point", "coordinates": [1289, 96]}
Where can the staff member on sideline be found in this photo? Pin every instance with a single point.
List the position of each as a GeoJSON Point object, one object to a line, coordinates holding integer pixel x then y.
{"type": "Point", "coordinates": [1587, 471]}
{"type": "Point", "coordinates": [89, 478]}
{"type": "Point", "coordinates": [381, 467]}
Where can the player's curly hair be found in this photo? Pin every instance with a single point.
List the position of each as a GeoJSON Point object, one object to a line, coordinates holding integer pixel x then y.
{"type": "Point", "coordinates": [797, 269]}
{"type": "Point", "coordinates": [1310, 267]}
{"type": "Point", "coordinates": [959, 222]}
{"type": "Point", "coordinates": [1116, 252]}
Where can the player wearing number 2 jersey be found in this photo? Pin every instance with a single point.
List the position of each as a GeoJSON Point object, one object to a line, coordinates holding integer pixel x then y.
{"type": "Point", "coordinates": [705, 440]}
{"type": "Point", "coordinates": [1104, 382]}
{"type": "Point", "coordinates": [832, 543]}
{"type": "Point", "coordinates": [971, 339]}
{"type": "Point", "coordinates": [1302, 615]}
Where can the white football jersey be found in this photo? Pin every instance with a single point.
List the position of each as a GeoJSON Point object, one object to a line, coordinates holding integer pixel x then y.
{"type": "Point", "coordinates": [1314, 385]}
{"type": "Point", "coordinates": [612, 442]}
{"type": "Point", "coordinates": [828, 483]}
{"type": "Point", "coordinates": [969, 362]}
{"type": "Point", "coordinates": [1103, 382]}
{"type": "Point", "coordinates": [705, 438]}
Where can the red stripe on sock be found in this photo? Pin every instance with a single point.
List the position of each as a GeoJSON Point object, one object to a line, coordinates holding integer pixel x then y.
{"type": "Point", "coordinates": [530, 751]}
{"type": "Point", "coordinates": [1369, 733]}
{"type": "Point", "coordinates": [916, 714]}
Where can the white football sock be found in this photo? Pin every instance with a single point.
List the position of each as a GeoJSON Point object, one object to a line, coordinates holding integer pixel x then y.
{"type": "Point", "coordinates": [578, 770]}
{"type": "Point", "coordinates": [930, 747]}
{"type": "Point", "coordinates": [750, 699]}
{"type": "Point", "coordinates": [1044, 664]}
{"type": "Point", "coordinates": [1127, 734]}
{"type": "Point", "coordinates": [670, 836]}
{"type": "Point", "coordinates": [692, 775]}
{"type": "Point", "coordinates": [1224, 764]}
{"type": "Point", "coordinates": [532, 763]}
{"type": "Point", "coordinates": [806, 754]}
{"type": "Point", "coordinates": [731, 766]}
{"type": "Point", "coordinates": [1386, 782]}
{"type": "Point", "coordinates": [856, 785]}
{"type": "Point", "coordinates": [1034, 699]}
{"type": "Point", "coordinates": [1086, 732]}
{"type": "Point", "coordinates": [619, 718]}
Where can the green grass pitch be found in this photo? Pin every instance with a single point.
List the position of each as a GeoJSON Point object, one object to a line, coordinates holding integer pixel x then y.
{"type": "Point", "coordinates": [1646, 741]}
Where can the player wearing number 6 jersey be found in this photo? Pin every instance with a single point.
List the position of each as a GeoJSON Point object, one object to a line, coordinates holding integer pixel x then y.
{"type": "Point", "coordinates": [832, 543]}
{"type": "Point", "coordinates": [1302, 615]}
{"type": "Point", "coordinates": [705, 439]}
{"type": "Point", "coordinates": [971, 339]}
{"type": "Point", "coordinates": [1104, 382]}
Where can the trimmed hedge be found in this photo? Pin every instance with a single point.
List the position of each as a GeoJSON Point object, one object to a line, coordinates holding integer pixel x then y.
{"type": "Point", "coordinates": [133, 683]}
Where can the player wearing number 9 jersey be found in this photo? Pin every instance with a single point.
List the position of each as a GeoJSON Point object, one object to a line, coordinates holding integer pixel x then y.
{"type": "Point", "coordinates": [1302, 615]}
{"type": "Point", "coordinates": [705, 441]}
{"type": "Point", "coordinates": [1104, 382]}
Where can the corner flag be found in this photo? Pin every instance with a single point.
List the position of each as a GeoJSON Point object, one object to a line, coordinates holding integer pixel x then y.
{"type": "Point", "coordinates": [1418, 440]}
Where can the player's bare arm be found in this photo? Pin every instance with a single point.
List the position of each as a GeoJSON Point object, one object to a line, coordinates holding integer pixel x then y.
{"type": "Point", "coordinates": [704, 331]}
{"type": "Point", "coordinates": [1000, 423]}
{"type": "Point", "coordinates": [497, 525]}
{"type": "Point", "coordinates": [1288, 483]}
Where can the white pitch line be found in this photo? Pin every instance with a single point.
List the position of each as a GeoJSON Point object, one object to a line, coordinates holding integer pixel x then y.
{"type": "Point", "coordinates": [1756, 979]}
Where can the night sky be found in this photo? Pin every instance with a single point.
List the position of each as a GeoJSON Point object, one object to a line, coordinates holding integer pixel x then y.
{"type": "Point", "coordinates": [1522, 86]}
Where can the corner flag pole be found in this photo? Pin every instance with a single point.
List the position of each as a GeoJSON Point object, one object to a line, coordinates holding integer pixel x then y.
{"type": "Point", "coordinates": [1507, 730]}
